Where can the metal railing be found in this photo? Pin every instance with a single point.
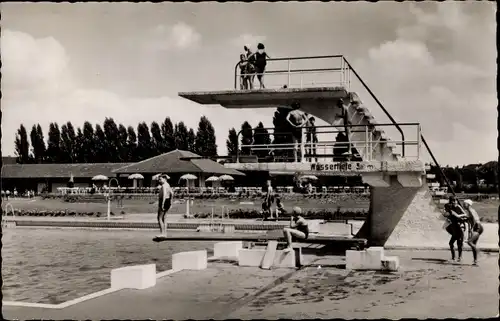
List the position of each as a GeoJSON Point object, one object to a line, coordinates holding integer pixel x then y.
{"type": "Point", "coordinates": [368, 139]}
{"type": "Point", "coordinates": [337, 66]}
{"type": "Point", "coordinates": [342, 67]}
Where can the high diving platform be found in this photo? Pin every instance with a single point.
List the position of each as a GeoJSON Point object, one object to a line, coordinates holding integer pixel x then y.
{"type": "Point", "coordinates": [393, 168]}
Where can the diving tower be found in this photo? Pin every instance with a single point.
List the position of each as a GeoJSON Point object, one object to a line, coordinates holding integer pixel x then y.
{"type": "Point", "coordinates": [395, 175]}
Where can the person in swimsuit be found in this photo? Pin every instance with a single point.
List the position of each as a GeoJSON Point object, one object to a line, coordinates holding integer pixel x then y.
{"type": "Point", "coordinates": [269, 198]}
{"type": "Point", "coordinates": [250, 66]}
{"type": "Point", "coordinates": [456, 215]}
{"type": "Point", "coordinates": [297, 119]}
{"type": "Point", "coordinates": [475, 228]}
{"type": "Point", "coordinates": [344, 118]}
{"type": "Point", "coordinates": [244, 77]}
{"type": "Point", "coordinates": [260, 63]}
{"type": "Point", "coordinates": [298, 229]}
{"type": "Point", "coordinates": [165, 196]}
{"type": "Point", "coordinates": [311, 139]}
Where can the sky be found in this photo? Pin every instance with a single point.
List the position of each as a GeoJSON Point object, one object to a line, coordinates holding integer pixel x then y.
{"type": "Point", "coordinates": [431, 63]}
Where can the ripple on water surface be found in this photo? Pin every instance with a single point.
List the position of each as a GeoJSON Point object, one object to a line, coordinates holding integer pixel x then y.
{"type": "Point", "coordinates": [57, 265]}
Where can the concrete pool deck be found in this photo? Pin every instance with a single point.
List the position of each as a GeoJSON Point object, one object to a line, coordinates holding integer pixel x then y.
{"type": "Point", "coordinates": [425, 287]}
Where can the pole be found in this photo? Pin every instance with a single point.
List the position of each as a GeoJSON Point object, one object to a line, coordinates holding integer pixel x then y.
{"type": "Point", "coordinates": [109, 205]}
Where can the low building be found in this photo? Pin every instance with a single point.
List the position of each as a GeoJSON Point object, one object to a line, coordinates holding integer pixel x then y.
{"type": "Point", "coordinates": [176, 163]}
{"type": "Point", "coordinates": [38, 177]}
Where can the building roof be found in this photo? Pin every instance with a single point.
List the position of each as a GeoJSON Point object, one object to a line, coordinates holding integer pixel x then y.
{"type": "Point", "coordinates": [59, 170]}
{"type": "Point", "coordinates": [171, 163]}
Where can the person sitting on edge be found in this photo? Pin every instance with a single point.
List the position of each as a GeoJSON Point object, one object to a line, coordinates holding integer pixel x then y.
{"type": "Point", "coordinates": [455, 214]}
{"type": "Point", "coordinates": [165, 196]}
{"type": "Point", "coordinates": [475, 228]}
{"type": "Point", "coordinates": [244, 77]}
{"type": "Point", "coordinates": [260, 63]}
{"type": "Point", "coordinates": [298, 229]}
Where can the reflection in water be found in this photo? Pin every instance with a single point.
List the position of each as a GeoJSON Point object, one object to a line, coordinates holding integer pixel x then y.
{"type": "Point", "coordinates": [56, 265]}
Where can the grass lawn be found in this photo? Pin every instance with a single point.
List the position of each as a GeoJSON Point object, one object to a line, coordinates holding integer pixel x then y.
{"type": "Point", "coordinates": [179, 207]}
{"type": "Point", "coordinates": [487, 209]}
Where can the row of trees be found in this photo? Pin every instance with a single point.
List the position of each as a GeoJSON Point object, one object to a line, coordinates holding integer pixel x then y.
{"type": "Point", "coordinates": [261, 136]}
{"type": "Point", "coordinates": [117, 143]}
{"type": "Point", "coordinates": [469, 178]}
{"type": "Point", "coordinates": [111, 142]}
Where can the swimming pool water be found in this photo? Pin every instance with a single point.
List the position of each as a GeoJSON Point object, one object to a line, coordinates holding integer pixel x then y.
{"type": "Point", "coordinates": [57, 265]}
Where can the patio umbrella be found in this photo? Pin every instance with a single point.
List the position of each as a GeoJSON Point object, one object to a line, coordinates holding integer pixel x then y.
{"type": "Point", "coordinates": [212, 179]}
{"type": "Point", "coordinates": [188, 177]}
{"type": "Point", "coordinates": [310, 177]}
{"type": "Point", "coordinates": [226, 178]}
{"type": "Point", "coordinates": [100, 178]}
{"type": "Point", "coordinates": [155, 177]}
{"type": "Point", "coordinates": [136, 176]}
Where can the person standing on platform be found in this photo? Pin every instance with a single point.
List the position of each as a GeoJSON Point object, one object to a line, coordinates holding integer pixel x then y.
{"type": "Point", "coordinates": [311, 139]}
{"type": "Point", "coordinates": [344, 118]}
{"type": "Point", "coordinates": [260, 63]}
{"type": "Point", "coordinates": [297, 119]}
{"type": "Point", "coordinates": [165, 196]}
{"type": "Point", "coordinates": [250, 66]}
{"type": "Point", "coordinates": [244, 76]}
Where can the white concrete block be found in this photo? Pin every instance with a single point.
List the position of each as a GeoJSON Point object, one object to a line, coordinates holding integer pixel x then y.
{"type": "Point", "coordinates": [254, 257]}
{"type": "Point", "coordinates": [134, 277]}
{"type": "Point", "coordinates": [370, 259]}
{"type": "Point", "coordinates": [390, 263]}
{"type": "Point", "coordinates": [192, 260]}
{"type": "Point", "coordinates": [251, 257]}
{"type": "Point", "coordinates": [314, 226]}
{"type": "Point", "coordinates": [376, 252]}
{"type": "Point", "coordinates": [354, 259]}
{"type": "Point", "coordinates": [228, 249]}
{"type": "Point", "coordinates": [284, 259]}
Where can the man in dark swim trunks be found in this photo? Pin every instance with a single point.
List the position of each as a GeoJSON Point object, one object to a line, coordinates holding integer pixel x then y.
{"type": "Point", "coordinates": [298, 228]}
{"type": "Point", "coordinates": [475, 228]}
{"type": "Point", "coordinates": [456, 215]}
{"type": "Point", "coordinates": [165, 196]}
{"type": "Point", "coordinates": [344, 118]}
{"type": "Point", "coordinates": [298, 120]}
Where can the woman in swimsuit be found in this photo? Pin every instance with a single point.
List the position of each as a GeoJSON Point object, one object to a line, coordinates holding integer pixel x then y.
{"type": "Point", "coordinates": [298, 228]}
{"type": "Point", "coordinates": [475, 228]}
{"type": "Point", "coordinates": [455, 214]}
